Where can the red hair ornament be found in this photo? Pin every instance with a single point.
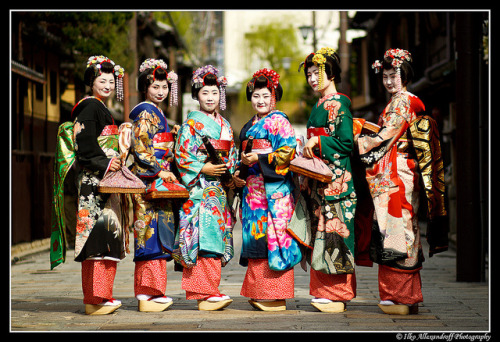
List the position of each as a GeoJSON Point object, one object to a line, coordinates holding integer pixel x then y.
{"type": "Point", "coordinates": [272, 82]}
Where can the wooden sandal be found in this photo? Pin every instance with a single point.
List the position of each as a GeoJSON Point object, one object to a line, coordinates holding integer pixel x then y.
{"type": "Point", "coordinates": [332, 307]}
{"type": "Point", "coordinates": [396, 309]}
{"type": "Point", "coordinates": [150, 305]}
{"type": "Point", "coordinates": [205, 305]}
{"type": "Point", "coordinates": [275, 305]}
{"type": "Point", "coordinates": [212, 305]}
{"type": "Point", "coordinates": [102, 309]}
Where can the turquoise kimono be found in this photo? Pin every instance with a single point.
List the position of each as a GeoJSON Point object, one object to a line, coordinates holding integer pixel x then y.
{"type": "Point", "coordinates": [206, 221]}
{"type": "Point", "coordinates": [267, 199]}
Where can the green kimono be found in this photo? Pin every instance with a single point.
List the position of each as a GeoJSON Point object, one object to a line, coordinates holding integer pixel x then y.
{"type": "Point", "coordinates": [331, 206]}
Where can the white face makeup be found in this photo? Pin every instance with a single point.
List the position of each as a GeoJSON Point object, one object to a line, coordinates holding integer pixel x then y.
{"type": "Point", "coordinates": [313, 78]}
{"type": "Point", "coordinates": [103, 86]}
{"type": "Point", "coordinates": [209, 98]}
{"type": "Point", "coordinates": [261, 101]}
{"type": "Point", "coordinates": [390, 79]}
{"type": "Point", "coordinates": [157, 92]}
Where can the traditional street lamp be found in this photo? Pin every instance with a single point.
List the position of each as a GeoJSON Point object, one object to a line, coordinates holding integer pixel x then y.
{"type": "Point", "coordinates": [306, 29]}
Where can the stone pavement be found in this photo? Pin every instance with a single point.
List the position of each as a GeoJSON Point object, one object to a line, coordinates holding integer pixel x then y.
{"type": "Point", "coordinates": [51, 300]}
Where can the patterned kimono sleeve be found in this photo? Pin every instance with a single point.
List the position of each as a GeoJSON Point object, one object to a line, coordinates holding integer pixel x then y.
{"type": "Point", "coordinates": [340, 141]}
{"type": "Point", "coordinates": [142, 141]}
{"type": "Point", "coordinates": [88, 152]}
{"type": "Point", "coordinates": [233, 155]}
{"type": "Point", "coordinates": [394, 123]}
{"type": "Point", "coordinates": [185, 155]}
{"type": "Point", "coordinates": [281, 134]}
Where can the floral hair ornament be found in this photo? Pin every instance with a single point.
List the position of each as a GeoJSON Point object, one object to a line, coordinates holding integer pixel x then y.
{"type": "Point", "coordinates": [155, 64]}
{"type": "Point", "coordinates": [172, 79]}
{"type": "Point", "coordinates": [398, 56]}
{"type": "Point", "coordinates": [198, 81]}
{"type": "Point", "coordinates": [272, 83]}
{"type": "Point", "coordinates": [96, 63]}
{"type": "Point", "coordinates": [319, 60]}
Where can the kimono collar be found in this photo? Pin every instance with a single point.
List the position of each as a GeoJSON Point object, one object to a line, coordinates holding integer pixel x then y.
{"type": "Point", "coordinates": [256, 117]}
{"type": "Point", "coordinates": [87, 98]}
{"type": "Point", "coordinates": [146, 105]}
{"type": "Point", "coordinates": [209, 125]}
{"type": "Point", "coordinates": [150, 107]}
{"type": "Point", "coordinates": [336, 96]}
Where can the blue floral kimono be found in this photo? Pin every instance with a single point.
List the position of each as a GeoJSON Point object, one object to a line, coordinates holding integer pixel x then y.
{"type": "Point", "coordinates": [152, 145]}
{"type": "Point", "coordinates": [267, 200]}
{"type": "Point", "coordinates": [206, 221]}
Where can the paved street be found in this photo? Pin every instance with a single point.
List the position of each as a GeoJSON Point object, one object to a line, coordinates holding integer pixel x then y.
{"type": "Point", "coordinates": [45, 300]}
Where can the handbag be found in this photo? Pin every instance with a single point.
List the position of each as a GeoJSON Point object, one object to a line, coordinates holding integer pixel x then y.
{"type": "Point", "coordinates": [311, 167]}
{"type": "Point", "coordinates": [122, 181]}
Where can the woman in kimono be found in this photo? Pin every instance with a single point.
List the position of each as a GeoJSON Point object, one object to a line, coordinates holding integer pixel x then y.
{"type": "Point", "coordinates": [100, 236]}
{"type": "Point", "coordinates": [154, 229]}
{"type": "Point", "coordinates": [204, 242]}
{"type": "Point", "coordinates": [393, 177]}
{"type": "Point", "coordinates": [331, 205]}
{"type": "Point", "coordinates": [267, 200]}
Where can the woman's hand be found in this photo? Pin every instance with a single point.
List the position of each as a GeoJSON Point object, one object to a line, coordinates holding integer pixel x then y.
{"type": "Point", "coordinates": [249, 158]}
{"type": "Point", "coordinates": [167, 176]}
{"type": "Point", "coordinates": [230, 185]}
{"type": "Point", "coordinates": [115, 164]}
{"type": "Point", "coordinates": [213, 170]}
{"type": "Point", "coordinates": [238, 181]}
{"type": "Point", "coordinates": [175, 129]}
{"type": "Point", "coordinates": [309, 147]}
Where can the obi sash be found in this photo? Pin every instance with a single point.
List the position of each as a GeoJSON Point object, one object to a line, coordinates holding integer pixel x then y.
{"type": "Point", "coordinates": [317, 131]}
{"type": "Point", "coordinates": [161, 138]}
{"type": "Point", "coordinates": [219, 145]}
{"type": "Point", "coordinates": [258, 144]}
{"type": "Point", "coordinates": [108, 139]}
{"type": "Point", "coordinates": [64, 159]}
{"type": "Point", "coordinates": [109, 130]}
{"type": "Point", "coordinates": [359, 126]}
{"type": "Point", "coordinates": [425, 138]}
{"type": "Point", "coordinates": [163, 144]}
{"type": "Point", "coordinates": [222, 147]}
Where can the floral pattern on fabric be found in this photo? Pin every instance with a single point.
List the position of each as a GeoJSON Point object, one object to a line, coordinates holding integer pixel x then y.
{"type": "Point", "coordinates": [154, 226]}
{"type": "Point", "coordinates": [331, 206]}
{"type": "Point", "coordinates": [267, 199]}
{"type": "Point", "coordinates": [393, 178]}
{"type": "Point", "coordinates": [206, 219]}
{"type": "Point", "coordinates": [99, 230]}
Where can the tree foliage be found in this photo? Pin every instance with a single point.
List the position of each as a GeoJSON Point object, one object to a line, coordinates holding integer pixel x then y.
{"type": "Point", "coordinates": [84, 34]}
{"type": "Point", "coordinates": [275, 45]}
